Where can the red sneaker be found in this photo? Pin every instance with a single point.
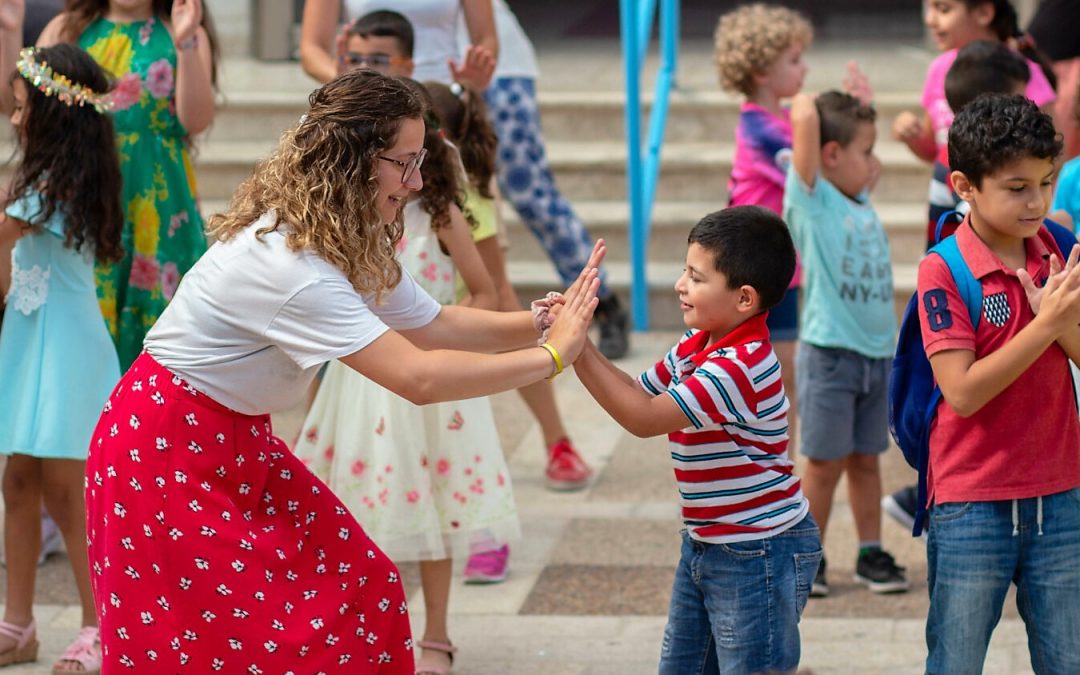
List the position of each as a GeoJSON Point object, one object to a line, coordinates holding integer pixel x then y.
{"type": "Point", "coordinates": [566, 471]}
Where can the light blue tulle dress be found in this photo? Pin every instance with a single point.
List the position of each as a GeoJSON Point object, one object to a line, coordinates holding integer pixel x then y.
{"type": "Point", "coordinates": [57, 361]}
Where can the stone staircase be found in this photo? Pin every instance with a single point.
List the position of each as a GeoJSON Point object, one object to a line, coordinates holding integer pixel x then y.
{"type": "Point", "coordinates": [583, 126]}
{"type": "Point", "coordinates": [584, 133]}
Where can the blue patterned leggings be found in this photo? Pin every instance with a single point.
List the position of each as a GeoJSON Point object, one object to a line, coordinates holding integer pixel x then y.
{"type": "Point", "coordinates": [525, 178]}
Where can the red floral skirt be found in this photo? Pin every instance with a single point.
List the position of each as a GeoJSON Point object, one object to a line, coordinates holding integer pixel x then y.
{"type": "Point", "coordinates": [213, 549]}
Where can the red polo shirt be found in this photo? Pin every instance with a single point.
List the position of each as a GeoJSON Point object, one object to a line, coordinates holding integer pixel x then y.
{"type": "Point", "coordinates": [1025, 442]}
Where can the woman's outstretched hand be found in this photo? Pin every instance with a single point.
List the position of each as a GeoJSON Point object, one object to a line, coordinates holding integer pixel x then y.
{"type": "Point", "coordinates": [571, 328]}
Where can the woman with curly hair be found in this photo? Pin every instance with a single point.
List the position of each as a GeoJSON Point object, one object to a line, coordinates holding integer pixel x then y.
{"type": "Point", "coordinates": [424, 481]}
{"type": "Point", "coordinates": [211, 545]}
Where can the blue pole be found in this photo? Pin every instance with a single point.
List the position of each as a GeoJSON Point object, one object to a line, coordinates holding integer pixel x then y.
{"type": "Point", "coordinates": [665, 81]}
{"type": "Point", "coordinates": [646, 16]}
{"type": "Point", "coordinates": [639, 290]}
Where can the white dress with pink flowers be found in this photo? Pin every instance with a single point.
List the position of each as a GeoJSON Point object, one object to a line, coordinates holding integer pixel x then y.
{"type": "Point", "coordinates": [422, 480]}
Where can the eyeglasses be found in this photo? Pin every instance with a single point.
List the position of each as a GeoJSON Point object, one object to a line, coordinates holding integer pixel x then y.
{"type": "Point", "coordinates": [410, 167]}
{"type": "Point", "coordinates": [376, 61]}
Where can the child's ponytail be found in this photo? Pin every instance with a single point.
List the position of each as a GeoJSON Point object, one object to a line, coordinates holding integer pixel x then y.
{"type": "Point", "coordinates": [441, 166]}
{"type": "Point", "coordinates": [1006, 25]}
{"type": "Point", "coordinates": [465, 123]}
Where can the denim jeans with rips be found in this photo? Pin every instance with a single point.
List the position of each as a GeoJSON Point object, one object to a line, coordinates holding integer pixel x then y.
{"type": "Point", "coordinates": [735, 608]}
{"type": "Point", "coordinates": [975, 550]}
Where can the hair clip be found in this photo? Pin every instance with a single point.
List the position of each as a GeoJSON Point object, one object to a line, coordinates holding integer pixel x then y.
{"type": "Point", "coordinates": [456, 89]}
{"type": "Point", "coordinates": [52, 83]}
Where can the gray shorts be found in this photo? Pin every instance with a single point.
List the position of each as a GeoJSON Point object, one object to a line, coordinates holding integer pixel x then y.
{"type": "Point", "coordinates": [843, 402]}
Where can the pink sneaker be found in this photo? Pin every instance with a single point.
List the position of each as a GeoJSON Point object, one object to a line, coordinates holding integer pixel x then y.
{"type": "Point", "coordinates": [566, 470]}
{"type": "Point", "coordinates": [487, 567]}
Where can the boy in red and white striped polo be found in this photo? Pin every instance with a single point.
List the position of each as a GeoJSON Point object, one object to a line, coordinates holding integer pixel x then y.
{"type": "Point", "coordinates": [750, 547]}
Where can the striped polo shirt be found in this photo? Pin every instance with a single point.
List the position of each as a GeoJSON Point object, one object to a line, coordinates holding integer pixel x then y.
{"type": "Point", "coordinates": [736, 482]}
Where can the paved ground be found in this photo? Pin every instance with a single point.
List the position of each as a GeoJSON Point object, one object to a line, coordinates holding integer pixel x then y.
{"type": "Point", "coordinates": [589, 583]}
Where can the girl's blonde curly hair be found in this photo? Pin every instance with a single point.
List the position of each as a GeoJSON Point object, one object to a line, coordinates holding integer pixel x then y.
{"type": "Point", "coordinates": [321, 181]}
{"type": "Point", "coordinates": [749, 39]}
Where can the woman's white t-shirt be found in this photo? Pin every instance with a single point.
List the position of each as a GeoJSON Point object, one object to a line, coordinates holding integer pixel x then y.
{"type": "Point", "coordinates": [516, 55]}
{"type": "Point", "coordinates": [253, 320]}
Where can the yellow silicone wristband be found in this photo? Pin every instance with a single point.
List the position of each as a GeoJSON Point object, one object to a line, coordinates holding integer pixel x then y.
{"type": "Point", "coordinates": [554, 357]}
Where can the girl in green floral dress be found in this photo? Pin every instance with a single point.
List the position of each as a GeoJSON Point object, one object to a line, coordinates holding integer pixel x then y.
{"type": "Point", "coordinates": [162, 55]}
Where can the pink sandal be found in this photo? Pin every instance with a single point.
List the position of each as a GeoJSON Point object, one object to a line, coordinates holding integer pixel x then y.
{"type": "Point", "coordinates": [25, 648]}
{"type": "Point", "coordinates": [85, 651]}
{"type": "Point", "coordinates": [444, 647]}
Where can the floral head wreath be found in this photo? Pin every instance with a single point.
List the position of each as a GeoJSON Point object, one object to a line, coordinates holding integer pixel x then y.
{"type": "Point", "coordinates": [52, 83]}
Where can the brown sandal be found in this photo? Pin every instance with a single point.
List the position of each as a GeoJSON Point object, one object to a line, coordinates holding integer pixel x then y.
{"type": "Point", "coordinates": [444, 647]}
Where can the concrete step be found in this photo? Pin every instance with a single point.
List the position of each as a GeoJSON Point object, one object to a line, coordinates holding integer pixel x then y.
{"type": "Point", "coordinates": [595, 171]}
{"type": "Point", "coordinates": [905, 224]}
{"type": "Point", "coordinates": [578, 116]}
{"type": "Point", "coordinates": [532, 279]}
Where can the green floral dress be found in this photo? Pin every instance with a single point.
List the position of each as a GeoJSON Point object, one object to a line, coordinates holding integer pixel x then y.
{"type": "Point", "coordinates": [163, 230]}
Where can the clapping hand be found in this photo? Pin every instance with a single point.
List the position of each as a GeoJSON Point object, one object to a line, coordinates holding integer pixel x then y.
{"type": "Point", "coordinates": [1035, 293]}
{"type": "Point", "coordinates": [857, 84]}
{"type": "Point", "coordinates": [570, 330]}
{"type": "Point", "coordinates": [186, 17]}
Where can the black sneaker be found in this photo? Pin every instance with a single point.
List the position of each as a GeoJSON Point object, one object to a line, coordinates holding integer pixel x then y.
{"type": "Point", "coordinates": [820, 587]}
{"type": "Point", "coordinates": [880, 573]}
{"type": "Point", "coordinates": [614, 325]}
{"type": "Point", "coordinates": [902, 505]}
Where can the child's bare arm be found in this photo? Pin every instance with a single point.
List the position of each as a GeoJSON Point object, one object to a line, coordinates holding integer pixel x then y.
{"type": "Point", "coordinates": [969, 384]}
{"type": "Point", "coordinates": [458, 241]}
{"type": "Point", "coordinates": [805, 138]}
{"type": "Point", "coordinates": [917, 133]}
{"type": "Point", "coordinates": [627, 403]}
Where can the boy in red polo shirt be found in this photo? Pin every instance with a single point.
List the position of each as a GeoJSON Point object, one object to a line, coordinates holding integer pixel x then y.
{"type": "Point", "coordinates": [1005, 444]}
{"type": "Point", "coordinates": [750, 546]}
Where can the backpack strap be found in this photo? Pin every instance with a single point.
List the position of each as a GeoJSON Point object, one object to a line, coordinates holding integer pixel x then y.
{"type": "Point", "coordinates": [970, 290]}
{"type": "Point", "coordinates": [1063, 237]}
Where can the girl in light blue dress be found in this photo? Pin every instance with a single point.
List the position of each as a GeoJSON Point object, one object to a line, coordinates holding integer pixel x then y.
{"type": "Point", "coordinates": [57, 361]}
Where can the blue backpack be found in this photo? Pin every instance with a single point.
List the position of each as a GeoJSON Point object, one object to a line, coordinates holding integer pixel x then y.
{"type": "Point", "coordinates": [913, 394]}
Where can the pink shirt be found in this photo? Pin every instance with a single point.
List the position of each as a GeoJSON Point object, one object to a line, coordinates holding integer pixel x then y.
{"type": "Point", "coordinates": [762, 156]}
{"type": "Point", "coordinates": [937, 107]}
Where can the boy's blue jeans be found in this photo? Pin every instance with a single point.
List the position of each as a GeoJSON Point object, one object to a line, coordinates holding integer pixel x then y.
{"type": "Point", "coordinates": [735, 608]}
{"type": "Point", "coordinates": [973, 556]}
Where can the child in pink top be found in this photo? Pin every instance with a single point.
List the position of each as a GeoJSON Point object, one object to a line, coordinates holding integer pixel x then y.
{"type": "Point", "coordinates": [953, 24]}
{"type": "Point", "coordinates": [759, 55]}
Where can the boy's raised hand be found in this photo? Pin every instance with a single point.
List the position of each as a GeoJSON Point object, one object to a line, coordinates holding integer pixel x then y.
{"type": "Point", "coordinates": [1035, 293]}
{"type": "Point", "coordinates": [857, 84]}
{"type": "Point", "coordinates": [1060, 301]}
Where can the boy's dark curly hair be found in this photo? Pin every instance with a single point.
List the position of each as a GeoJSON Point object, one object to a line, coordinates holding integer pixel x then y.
{"type": "Point", "coordinates": [751, 246]}
{"type": "Point", "coordinates": [442, 173]}
{"type": "Point", "coordinates": [841, 115]}
{"type": "Point", "coordinates": [69, 156]}
{"type": "Point", "coordinates": [998, 129]}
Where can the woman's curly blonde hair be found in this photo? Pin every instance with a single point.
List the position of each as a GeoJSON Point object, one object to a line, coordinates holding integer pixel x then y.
{"type": "Point", "coordinates": [321, 181]}
{"type": "Point", "coordinates": [749, 39]}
